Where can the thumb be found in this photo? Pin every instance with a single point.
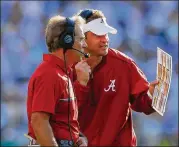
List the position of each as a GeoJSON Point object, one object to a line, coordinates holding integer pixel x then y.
{"type": "Point", "coordinates": [154, 82]}
{"type": "Point", "coordinates": [83, 58]}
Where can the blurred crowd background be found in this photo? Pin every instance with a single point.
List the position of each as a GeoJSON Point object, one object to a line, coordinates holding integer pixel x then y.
{"type": "Point", "coordinates": [142, 27]}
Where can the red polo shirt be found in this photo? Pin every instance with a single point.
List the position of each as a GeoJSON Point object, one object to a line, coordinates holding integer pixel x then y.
{"type": "Point", "coordinates": [48, 92]}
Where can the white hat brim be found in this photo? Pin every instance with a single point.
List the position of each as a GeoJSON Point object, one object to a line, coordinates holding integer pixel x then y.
{"type": "Point", "coordinates": [99, 27]}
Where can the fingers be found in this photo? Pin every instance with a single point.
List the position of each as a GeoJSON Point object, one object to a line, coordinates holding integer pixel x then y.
{"type": "Point", "coordinates": [84, 58]}
{"type": "Point", "coordinates": [154, 82]}
{"type": "Point", "coordinates": [82, 65]}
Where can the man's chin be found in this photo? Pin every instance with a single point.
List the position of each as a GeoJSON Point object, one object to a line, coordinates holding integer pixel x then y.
{"type": "Point", "coordinates": [100, 53]}
{"type": "Point", "coordinates": [104, 53]}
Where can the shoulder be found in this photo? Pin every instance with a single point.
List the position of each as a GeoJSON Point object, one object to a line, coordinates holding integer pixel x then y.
{"type": "Point", "coordinates": [116, 55]}
{"type": "Point", "coordinates": [45, 71]}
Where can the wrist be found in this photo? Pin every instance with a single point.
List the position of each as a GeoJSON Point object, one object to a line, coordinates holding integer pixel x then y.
{"type": "Point", "coordinates": [149, 94]}
{"type": "Point", "coordinates": [81, 134]}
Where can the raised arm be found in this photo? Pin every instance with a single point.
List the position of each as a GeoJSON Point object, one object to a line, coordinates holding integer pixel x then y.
{"type": "Point", "coordinates": [139, 98]}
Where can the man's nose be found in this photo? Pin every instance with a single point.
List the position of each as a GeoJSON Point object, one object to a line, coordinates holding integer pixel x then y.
{"type": "Point", "coordinates": [104, 38]}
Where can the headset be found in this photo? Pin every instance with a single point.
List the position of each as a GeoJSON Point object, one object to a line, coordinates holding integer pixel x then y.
{"type": "Point", "coordinates": [66, 41]}
{"type": "Point", "coordinates": [85, 14]}
{"type": "Point", "coordinates": [66, 38]}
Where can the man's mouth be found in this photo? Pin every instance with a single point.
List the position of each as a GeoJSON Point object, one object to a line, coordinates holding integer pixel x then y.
{"type": "Point", "coordinates": [104, 46]}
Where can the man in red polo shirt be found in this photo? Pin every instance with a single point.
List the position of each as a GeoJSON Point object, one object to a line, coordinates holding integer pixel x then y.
{"type": "Point", "coordinates": [117, 86]}
{"type": "Point", "coordinates": [51, 103]}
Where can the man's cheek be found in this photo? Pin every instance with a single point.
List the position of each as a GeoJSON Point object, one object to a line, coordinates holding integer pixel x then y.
{"type": "Point", "coordinates": [77, 45]}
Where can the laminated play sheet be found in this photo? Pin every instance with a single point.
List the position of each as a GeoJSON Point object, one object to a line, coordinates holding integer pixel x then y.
{"type": "Point", "coordinates": [164, 74]}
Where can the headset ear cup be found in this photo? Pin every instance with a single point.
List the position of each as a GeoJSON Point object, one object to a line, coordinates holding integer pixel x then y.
{"type": "Point", "coordinates": [66, 39]}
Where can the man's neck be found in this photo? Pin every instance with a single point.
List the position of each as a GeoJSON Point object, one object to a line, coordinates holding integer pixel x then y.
{"type": "Point", "coordinates": [68, 58]}
{"type": "Point", "coordinates": [93, 61]}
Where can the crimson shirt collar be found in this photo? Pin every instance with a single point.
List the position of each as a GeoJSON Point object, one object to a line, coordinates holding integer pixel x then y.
{"type": "Point", "coordinates": [55, 60]}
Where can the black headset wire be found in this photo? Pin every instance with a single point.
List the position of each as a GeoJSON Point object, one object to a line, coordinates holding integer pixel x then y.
{"type": "Point", "coordinates": [86, 55]}
{"type": "Point", "coordinates": [68, 84]}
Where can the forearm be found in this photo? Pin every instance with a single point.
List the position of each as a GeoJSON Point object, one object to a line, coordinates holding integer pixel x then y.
{"type": "Point", "coordinates": [142, 103]}
{"type": "Point", "coordinates": [44, 134]}
{"type": "Point", "coordinates": [82, 93]}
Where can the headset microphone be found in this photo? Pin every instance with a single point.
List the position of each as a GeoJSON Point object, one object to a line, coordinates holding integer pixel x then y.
{"type": "Point", "coordinates": [86, 55]}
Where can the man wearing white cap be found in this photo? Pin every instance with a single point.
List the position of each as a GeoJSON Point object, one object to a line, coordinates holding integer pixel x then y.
{"type": "Point", "coordinates": [117, 86]}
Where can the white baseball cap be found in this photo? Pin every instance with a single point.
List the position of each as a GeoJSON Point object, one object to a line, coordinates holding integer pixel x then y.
{"type": "Point", "coordinates": [99, 27]}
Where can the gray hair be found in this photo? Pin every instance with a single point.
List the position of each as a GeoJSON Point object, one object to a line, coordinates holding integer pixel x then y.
{"type": "Point", "coordinates": [54, 29]}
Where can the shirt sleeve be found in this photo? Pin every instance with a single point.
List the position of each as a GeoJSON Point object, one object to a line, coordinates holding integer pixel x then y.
{"type": "Point", "coordinates": [82, 93]}
{"type": "Point", "coordinates": [44, 98]}
{"type": "Point", "coordinates": [140, 101]}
